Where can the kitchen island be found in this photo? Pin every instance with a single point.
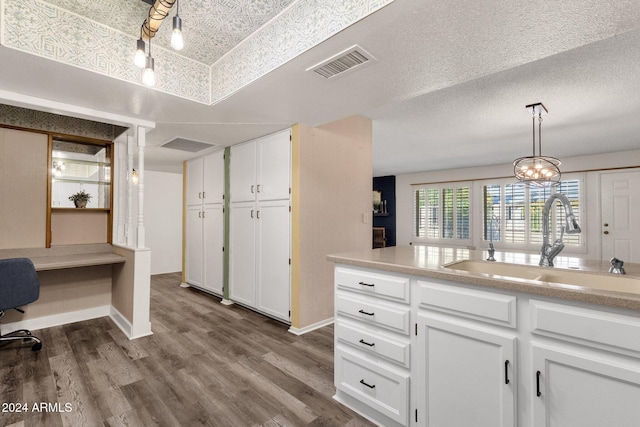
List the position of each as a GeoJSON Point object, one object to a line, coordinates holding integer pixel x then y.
{"type": "Point", "coordinates": [421, 341]}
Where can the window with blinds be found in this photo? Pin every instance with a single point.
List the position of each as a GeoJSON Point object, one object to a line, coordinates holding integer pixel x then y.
{"type": "Point", "coordinates": [517, 212]}
{"type": "Point", "coordinates": [442, 212]}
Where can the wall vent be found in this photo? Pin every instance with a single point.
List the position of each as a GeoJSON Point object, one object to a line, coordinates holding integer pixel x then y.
{"type": "Point", "coordinates": [347, 60]}
{"type": "Point", "coordinates": [189, 145]}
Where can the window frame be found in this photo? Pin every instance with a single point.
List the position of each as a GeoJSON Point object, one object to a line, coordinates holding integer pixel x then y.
{"type": "Point", "coordinates": [440, 240]}
{"type": "Point", "coordinates": [528, 244]}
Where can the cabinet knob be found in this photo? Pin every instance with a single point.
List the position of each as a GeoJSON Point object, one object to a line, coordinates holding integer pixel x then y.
{"type": "Point", "coordinates": [606, 224]}
{"type": "Point", "coordinates": [605, 232]}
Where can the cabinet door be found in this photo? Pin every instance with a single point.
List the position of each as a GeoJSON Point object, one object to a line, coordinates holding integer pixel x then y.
{"type": "Point", "coordinates": [466, 374]}
{"type": "Point", "coordinates": [583, 389]}
{"type": "Point", "coordinates": [242, 253]}
{"type": "Point", "coordinates": [194, 181]}
{"type": "Point", "coordinates": [274, 166]}
{"type": "Point", "coordinates": [213, 177]}
{"type": "Point", "coordinates": [273, 269]}
{"type": "Point", "coordinates": [213, 234]}
{"type": "Point", "coordinates": [194, 246]}
{"type": "Point", "coordinates": [242, 173]}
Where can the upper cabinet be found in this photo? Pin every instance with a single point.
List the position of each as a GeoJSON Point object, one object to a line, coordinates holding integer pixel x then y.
{"type": "Point", "coordinates": [205, 179]}
{"type": "Point", "coordinates": [80, 174]}
{"type": "Point", "coordinates": [261, 169]}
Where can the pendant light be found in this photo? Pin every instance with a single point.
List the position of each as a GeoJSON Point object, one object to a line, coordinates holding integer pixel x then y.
{"type": "Point", "coordinates": [148, 75]}
{"type": "Point", "coordinates": [537, 170]}
{"type": "Point", "coordinates": [140, 57]}
{"type": "Point", "coordinates": [176, 36]}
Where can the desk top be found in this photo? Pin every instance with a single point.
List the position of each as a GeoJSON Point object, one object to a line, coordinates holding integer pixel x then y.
{"type": "Point", "coordinates": [71, 256]}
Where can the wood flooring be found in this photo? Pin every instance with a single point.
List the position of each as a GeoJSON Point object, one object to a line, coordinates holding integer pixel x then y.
{"type": "Point", "coordinates": [205, 364]}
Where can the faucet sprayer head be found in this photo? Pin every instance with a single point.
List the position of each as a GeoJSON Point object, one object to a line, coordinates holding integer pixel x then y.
{"type": "Point", "coordinates": [572, 226]}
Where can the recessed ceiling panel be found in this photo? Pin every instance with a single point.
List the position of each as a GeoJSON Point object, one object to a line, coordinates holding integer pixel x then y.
{"type": "Point", "coordinates": [189, 145]}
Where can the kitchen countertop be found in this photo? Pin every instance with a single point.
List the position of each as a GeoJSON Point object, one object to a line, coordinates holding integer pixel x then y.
{"type": "Point", "coordinates": [428, 262]}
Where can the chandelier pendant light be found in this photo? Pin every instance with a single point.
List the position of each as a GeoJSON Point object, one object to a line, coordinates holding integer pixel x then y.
{"type": "Point", "coordinates": [157, 13]}
{"type": "Point", "coordinates": [537, 170]}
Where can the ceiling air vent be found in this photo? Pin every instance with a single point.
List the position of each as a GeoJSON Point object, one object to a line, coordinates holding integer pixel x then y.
{"type": "Point", "coordinates": [187, 145]}
{"type": "Point", "coordinates": [344, 61]}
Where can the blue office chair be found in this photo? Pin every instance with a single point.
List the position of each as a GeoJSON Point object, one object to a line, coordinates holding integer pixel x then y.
{"type": "Point", "coordinates": [19, 285]}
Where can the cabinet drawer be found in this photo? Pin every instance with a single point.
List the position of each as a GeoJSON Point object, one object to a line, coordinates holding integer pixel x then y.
{"type": "Point", "coordinates": [594, 328]}
{"type": "Point", "coordinates": [395, 288]}
{"type": "Point", "coordinates": [373, 342]}
{"type": "Point", "coordinates": [382, 389]}
{"type": "Point", "coordinates": [485, 306]}
{"type": "Point", "coordinates": [374, 313]}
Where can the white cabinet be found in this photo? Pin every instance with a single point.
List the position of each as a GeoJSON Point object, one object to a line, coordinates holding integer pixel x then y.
{"type": "Point", "coordinates": [261, 169]}
{"type": "Point", "coordinates": [205, 222]}
{"type": "Point", "coordinates": [260, 225]}
{"type": "Point", "coordinates": [577, 388]}
{"type": "Point", "coordinates": [372, 344]}
{"type": "Point", "coordinates": [417, 351]}
{"type": "Point", "coordinates": [466, 372]}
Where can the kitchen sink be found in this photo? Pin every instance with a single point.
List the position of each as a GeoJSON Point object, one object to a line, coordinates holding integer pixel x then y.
{"type": "Point", "coordinates": [607, 282]}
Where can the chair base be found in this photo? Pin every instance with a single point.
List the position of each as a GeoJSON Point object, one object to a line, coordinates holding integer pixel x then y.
{"type": "Point", "coordinates": [21, 334]}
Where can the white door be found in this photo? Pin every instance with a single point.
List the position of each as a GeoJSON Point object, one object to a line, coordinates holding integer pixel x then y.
{"type": "Point", "coordinates": [213, 177]}
{"type": "Point", "coordinates": [273, 269]}
{"type": "Point", "coordinates": [213, 231]}
{"type": "Point", "coordinates": [242, 172]}
{"type": "Point", "coordinates": [194, 181]}
{"type": "Point", "coordinates": [193, 254]}
{"type": "Point", "coordinates": [466, 374]}
{"type": "Point", "coordinates": [242, 253]}
{"type": "Point", "coordinates": [274, 166]}
{"type": "Point", "coordinates": [579, 389]}
{"type": "Point", "coordinates": [620, 195]}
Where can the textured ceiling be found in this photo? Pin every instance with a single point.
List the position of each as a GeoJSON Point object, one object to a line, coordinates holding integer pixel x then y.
{"type": "Point", "coordinates": [448, 88]}
{"type": "Point", "coordinates": [210, 28]}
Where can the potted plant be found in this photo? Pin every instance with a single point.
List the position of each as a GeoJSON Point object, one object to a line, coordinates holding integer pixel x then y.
{"type": "Point", "coordinates": [80, 199]}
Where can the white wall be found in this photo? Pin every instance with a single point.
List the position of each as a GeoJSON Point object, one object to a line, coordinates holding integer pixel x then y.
{"type": "Point", "coordinates": [591, 228]}
{"type": "Point", "coordinates": [163, 220]}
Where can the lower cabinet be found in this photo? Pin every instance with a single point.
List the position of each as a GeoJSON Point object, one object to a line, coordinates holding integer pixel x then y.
{"type": "Point", "coordinates": [475, 357]}
{"type": "Point", "coordinates": [466, 372]}
{"type": "Point", "coordinates": [575, 387]}
{"type": "Point", "coordinates": [205, 243]}
{"type": "Point", "coordinates": [259, 262]}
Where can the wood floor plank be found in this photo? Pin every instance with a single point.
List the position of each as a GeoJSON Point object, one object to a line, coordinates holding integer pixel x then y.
{"type": "Point", "coordinates": [206, 364]}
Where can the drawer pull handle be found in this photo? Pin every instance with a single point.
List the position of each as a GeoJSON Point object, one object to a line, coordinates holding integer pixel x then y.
{"type": "Point", "coordinates": [365, 312]}
{"type": "Point", "coordinates": [368, 385]}
{"type": "Point", "coordinates": [538, 384]}
{"type": "Point", "coordinates": [366, 284]}
{"type": "Point", "coordinates": [370, 344]}
{"type": "Point", "coordinates": [506, 372]}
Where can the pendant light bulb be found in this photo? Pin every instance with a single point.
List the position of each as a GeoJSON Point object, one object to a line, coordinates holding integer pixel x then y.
{"type": "Point", "coordinates": [148, 75]}
{"type": "Point", "coordinates": [176, 36]}
{"type": "Point", "coordinates": [140, 58]}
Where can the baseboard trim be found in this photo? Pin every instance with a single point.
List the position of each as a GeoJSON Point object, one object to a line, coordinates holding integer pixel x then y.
{"type": "Point", "coordinates": [58, 319]}
{"type": "Point", "coordinates": [125, 326]}
{"type": "Point", "coordinates": [312, 327]}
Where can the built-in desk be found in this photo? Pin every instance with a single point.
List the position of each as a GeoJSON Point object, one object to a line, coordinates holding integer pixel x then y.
{"type": "Point", "coordinates": [59, 257]}
{"type": "Point", "coordinates": [76, 283]}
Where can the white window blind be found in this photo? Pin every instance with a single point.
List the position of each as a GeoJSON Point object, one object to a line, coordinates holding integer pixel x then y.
{"type": "Point", "coordinates": [442, 212]}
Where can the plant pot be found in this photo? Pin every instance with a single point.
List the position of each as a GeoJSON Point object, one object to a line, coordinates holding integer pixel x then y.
{"type": "Point", "coordinates": [80, 203]}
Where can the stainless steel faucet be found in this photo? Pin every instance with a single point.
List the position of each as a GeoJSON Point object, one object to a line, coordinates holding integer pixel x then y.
{"type": "Point", "coordinates": [549, 251]}
{"type": "Point", "coordinates": [491, 249]}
